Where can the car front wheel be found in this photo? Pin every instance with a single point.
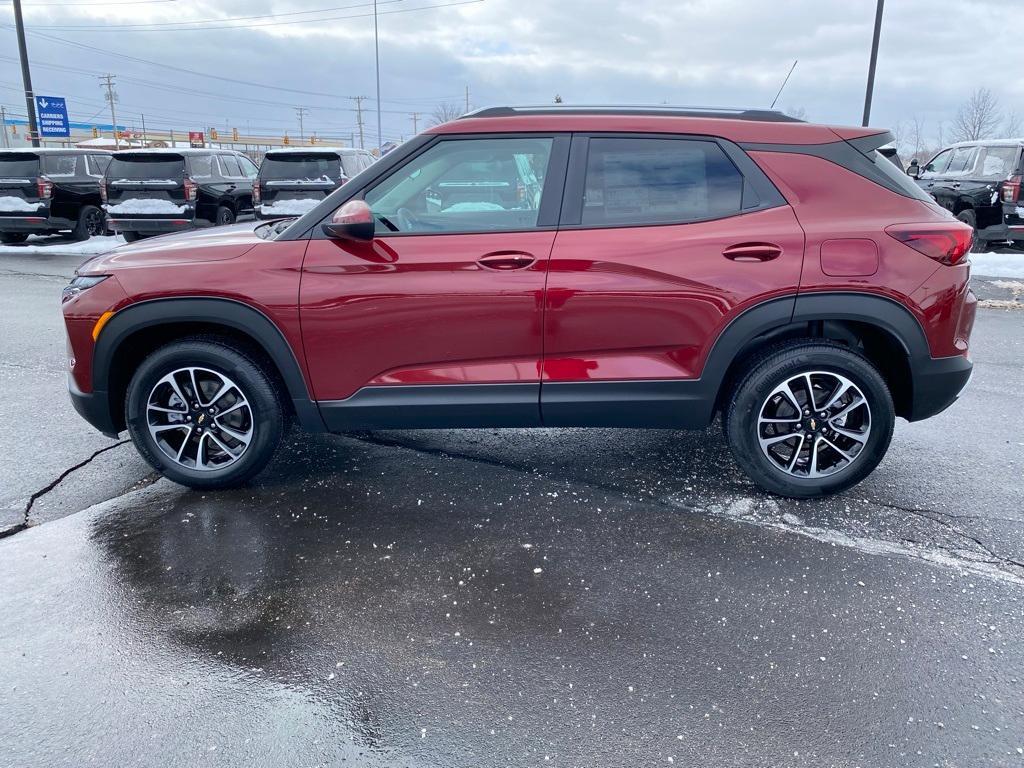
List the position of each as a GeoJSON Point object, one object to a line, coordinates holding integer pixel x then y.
{"type": "Point", "coordinates": [809, 418]}
{"type": "Point", "coordinates": [204, 414]}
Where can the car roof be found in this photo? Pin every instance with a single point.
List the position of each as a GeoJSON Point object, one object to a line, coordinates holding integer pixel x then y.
{"type": "Point", "coordinates": [179, 151]}
{"type": "Point", "coordinates": [988, 143]}
{"type": "Point", "coordinates": [307, 150]}
{"type": "Point", "coordinates": [47, 150]}
{"type": "Point", "coordinates": [740, 125]}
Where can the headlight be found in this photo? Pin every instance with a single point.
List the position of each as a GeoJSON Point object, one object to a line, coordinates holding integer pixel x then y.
{"type": "Point", "coordinates": [79, 284]}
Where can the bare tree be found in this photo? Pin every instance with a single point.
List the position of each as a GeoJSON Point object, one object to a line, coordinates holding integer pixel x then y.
{"type": "Point", "coordinates": [1011, 126]}
{"type": "Point", "coordinates": [899, 136]}
{"type": "Point", "coordinates": [978, 117]}
{"type": "Point", "coordinates": [915, 138]}
{"type": "Point", "coordinates": [444, 113]}
{"type": "Point", "coordinates": [798, 112]}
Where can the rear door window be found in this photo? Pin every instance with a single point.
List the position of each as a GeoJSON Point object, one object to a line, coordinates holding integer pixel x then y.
{"type": "Point", "coordinates": [200, 166]}
{"type": "Point", "coordinates": [146, 168]}
{"type": "Point", "coordinates": [229, 166]}
{"type": "Point", "coordinates": [962, 162]}
{"type": "Point", "coordinates": [998, 162]}
{"type": "Point", "coordinates": [636, 181]}
{"type": "Point", "coordinates": [60, 165]}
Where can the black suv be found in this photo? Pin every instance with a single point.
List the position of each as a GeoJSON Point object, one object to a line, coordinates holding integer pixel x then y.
{"type": "Point", "coordinates": [50, 190]}
{"type": "Point", "coordinates": [152, 191]}
{"type": "Point", "coordinates": [293, 181]}
{"type": "Point", "coordinates": [979, 183]}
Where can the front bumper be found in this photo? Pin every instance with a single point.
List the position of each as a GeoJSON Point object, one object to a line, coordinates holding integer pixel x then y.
{"type": "Point", "coordinates": [938, 384]}
{"type": "Point", "coordinates": [94, 407]}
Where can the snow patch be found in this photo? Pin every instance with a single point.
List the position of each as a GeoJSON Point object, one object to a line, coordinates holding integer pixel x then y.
{"type": "Point", "coordinates": [91, 247]}
{"type": "Point", "coordinates": [18, 204]}
{"type": "Point", "coordinates": [145, 206]}
{"type": "Point", "coordinates": [998, 264]}
{"type": "Point", "coordinates": [463, 207]}
{"type": "Point", "coordinates": [290, 207]}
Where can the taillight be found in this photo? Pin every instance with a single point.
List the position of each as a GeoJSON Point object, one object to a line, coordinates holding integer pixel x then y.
{"type": "Point", "coordinates": [1009, 190]}
{"type": "Point", "coordinates": [256, 193]}
{"type": "Point", "coordinates": [190, 190]}
{"type": "Point", "coordinates": [45, 188]}
{"type": "Point", "coordinates": [103, 190]}
{"type": "Point", "coordinates": [948, 243]}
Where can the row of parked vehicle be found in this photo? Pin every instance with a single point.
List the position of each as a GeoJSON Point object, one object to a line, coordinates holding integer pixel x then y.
{"type": "Point", "coordinates": [141, 192]}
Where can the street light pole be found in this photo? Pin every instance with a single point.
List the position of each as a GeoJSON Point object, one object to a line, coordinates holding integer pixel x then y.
{"type": "Point", "coordinates": [376, 56]}
{"type": "Point", "coordinates": [26, 76]}
{"type": "Point", "coordinates": [874, 61]}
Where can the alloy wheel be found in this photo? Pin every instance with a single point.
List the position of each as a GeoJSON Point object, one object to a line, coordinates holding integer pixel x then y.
{"type": "Point", "coordinates": [814, 424]}
{"type": "Point", "coordinates": [199, 418]}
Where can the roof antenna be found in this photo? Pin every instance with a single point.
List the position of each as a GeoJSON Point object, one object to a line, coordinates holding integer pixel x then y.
{"type": "Point", "coordinates": [784, 83]}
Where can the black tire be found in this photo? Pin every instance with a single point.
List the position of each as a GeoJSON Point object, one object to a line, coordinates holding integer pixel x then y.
{"type": "Point", "coordinates": [131, 237]}
{"type": "Point", "coordinates": [968, 217]}
{"type": "Point", "coordinates": [267, 413]}
{"type": "Point", "coordinates": [224, 216]}
{"type": "Point", "coordinates": [10, 238]}
{"type": "Point", "coordinates": [774, 367]}
{"type": "Point", "coordinates": [90, 223]}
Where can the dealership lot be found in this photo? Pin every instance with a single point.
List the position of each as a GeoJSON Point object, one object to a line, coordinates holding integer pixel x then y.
{"type": "Point", "coordinates": [510, 597]}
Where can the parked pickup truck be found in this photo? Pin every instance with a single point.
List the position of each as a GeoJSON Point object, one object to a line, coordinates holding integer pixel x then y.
{"type": "Point", "coordinates": [979, 183]}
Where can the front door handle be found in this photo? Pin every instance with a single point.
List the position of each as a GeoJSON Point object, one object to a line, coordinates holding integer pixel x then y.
{"type": "Point", "coordinates": [504, 261]}
{"type": "Point", "coordinates": [752, 252]}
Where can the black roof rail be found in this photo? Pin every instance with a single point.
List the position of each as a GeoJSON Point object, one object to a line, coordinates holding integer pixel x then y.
{"type": "Point", "coordinates": [764, 115]}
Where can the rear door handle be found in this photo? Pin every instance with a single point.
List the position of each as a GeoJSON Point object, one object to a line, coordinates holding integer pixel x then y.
{"type": "Point", "coordinates": [752, 252]}
{"type": "Point", "coordinates": [504, 261]}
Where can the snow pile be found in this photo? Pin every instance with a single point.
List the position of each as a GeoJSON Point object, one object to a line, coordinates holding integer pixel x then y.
{"type": "Point", "coordinates": [998, 264]}
{"type": "Point", "coordinates": [289, 207]}
{"type": "Point", "coordinates": [145, 206]}
{"type": "Point", "coordinates": [18, 204]}
{"type": "Point", "coordinates": [463, 207]}
{"type": "Point", "coordinates": [58, 245]}
{"type": "Point", "coordinates": [324, 179]}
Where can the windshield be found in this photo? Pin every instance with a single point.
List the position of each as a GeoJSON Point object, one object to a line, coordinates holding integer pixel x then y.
{"type": "Point", "coordinates": [19, 166]}
{"type": "Point", "coordinates": [146, 167]}
{"type": "Point", "coordinates": [324, 168]}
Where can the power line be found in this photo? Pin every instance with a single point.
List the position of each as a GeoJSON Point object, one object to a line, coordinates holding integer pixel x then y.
{"type": "Point", "coordinates": [126, 28]}
{"type": "Point", "coordinates": [224, 20]}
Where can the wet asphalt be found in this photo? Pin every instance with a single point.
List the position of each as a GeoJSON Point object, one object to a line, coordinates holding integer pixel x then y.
{"type": "Point", "coordinates": [506, 597]}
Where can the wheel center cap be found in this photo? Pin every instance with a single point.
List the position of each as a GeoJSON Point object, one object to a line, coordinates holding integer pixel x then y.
{"type": "Point", "coordinates": [200, 418]}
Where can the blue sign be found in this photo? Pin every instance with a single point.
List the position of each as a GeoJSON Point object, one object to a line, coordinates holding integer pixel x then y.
{"type": "Point", "coordinates": [52, 117]}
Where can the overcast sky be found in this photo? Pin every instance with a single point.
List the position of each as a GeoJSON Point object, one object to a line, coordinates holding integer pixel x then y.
{"type": "Point", "coordinates": [703, 52]}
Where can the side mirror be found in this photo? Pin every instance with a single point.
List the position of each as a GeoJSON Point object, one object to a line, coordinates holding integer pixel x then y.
{"type": "Point", "coordinates": [353, 221]}
{"type": "Point", "coordinates": [914, 169]}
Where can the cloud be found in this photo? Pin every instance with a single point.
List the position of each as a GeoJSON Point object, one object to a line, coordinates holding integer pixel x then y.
{"type": "Point", "coordinates": [708, 52]}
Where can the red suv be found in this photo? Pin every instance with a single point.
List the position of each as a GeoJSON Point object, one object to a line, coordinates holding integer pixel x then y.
{"type": "Point", "coordinates": [550, 267]}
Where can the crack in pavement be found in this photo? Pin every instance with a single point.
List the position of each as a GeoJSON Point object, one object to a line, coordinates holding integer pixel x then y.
{"type": "Point", "coordinates": [46, 489]}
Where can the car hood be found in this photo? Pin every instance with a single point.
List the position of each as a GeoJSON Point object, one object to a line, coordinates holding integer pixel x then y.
{"type": "Point", "coordinates": [198, 245]}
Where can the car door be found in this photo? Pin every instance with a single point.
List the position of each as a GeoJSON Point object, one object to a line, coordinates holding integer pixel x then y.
{"type": "Point", "coordinates": [947, 189]}
{"type": "Point", "coordinates": [933, 171]}
{"type": "Point", "coordinates": [663, 241]}
{"type": "Point", "coordinates": [438, 320]}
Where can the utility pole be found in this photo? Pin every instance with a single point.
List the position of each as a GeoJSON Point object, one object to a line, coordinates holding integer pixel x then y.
{"type": "Point", "coordinates": [874, 61]}
{"type": "Point", "coordinates": [415, 122]}
{"type": "Point", "coordinates": [301, 112]}
{"type": "Point", "coordinates": [3, 122]}
{"type": "Point", "coordinates": [359, 117]}
{"type": "Point", "coordinates": [145, 141]}
{"type": "Point", "coordinates": [376, 57]}
{"type": "Point", "coordinates": [108, 81]}
{"type": "Point", "coordinates": [26, 76]}
{"type": "Point", "coordinates": [467, 98]}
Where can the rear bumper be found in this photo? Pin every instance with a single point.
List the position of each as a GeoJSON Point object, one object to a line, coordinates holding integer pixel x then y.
{"type": "Point", "coordinates": [938, 384]}
{"type": "Point", "coordinates": [1013, 220]}
{"type": "Point", "coordinates": [32, 224]}
{"type": "Point", "coordinates": [94, 407]}
{"type": "Point", "coordinates": [151, 225]}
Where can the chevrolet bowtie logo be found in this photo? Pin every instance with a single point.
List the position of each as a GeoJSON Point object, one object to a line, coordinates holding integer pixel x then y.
{"type": "Point", "coordinates": [814, 424]}
{"type": "Point", "coordinates": [201, 418]}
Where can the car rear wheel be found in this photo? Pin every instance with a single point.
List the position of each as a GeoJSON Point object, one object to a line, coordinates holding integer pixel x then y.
{"type": "Point", "coordinates": [809, 418]}
{"type": "Point", "coordinates": [10, 238]}
{"type": "Point", "coordinates": [225, 215]}
{"type": "Point", "coordinates": [204, 414]}
{"type": "Point", "coordinates": [90, 223]}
